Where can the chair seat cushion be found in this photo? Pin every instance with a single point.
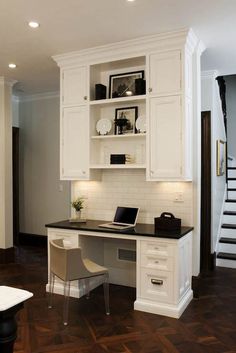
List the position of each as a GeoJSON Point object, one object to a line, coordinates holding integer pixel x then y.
{"type": "Point", "coordinates": [94, 268]}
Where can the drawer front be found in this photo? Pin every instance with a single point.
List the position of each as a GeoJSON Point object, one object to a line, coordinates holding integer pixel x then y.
{"type": "Point", "coordinates": [70, 239]}
{"type": "Point", "coordinates": [157, 262]}
{"type": "Point", "coordinates": [157, 285]}
{"type": "Point", "coordinates": [156, 248]}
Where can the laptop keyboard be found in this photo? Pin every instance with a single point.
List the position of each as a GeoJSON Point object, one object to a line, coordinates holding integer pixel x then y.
{"type": "Point", "coordinates": [114, 226]}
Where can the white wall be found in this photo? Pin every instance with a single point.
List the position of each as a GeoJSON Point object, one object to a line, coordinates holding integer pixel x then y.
{"type": "Point", "coordinates": [41, 201]}
{"type": "Point", "coordinates": [231, 113]}
{"type": "Point", "coordinates": [211, 102]}
{"type": "Point", "coordinates": [6, 226]}
{"type": "Point", "coordinates": [129, 188]}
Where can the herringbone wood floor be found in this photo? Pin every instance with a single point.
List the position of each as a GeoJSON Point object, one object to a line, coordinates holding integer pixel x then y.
{"type": "Point", "coordinates": [207, 326]}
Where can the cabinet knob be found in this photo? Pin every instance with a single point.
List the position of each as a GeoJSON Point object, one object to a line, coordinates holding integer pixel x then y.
{"type": "Point", "coordinates": [83, 172]}
{"type": "Point", "coordinates": [156, 262]}
{"type": "Point", "coordinates": [85, 98]}
{"type": "Point", "coordinates": [156, 248]}
{"type": "Point", "coordinates": [152, 172]}
{"type": "Point", "coordinates": [150, 90]}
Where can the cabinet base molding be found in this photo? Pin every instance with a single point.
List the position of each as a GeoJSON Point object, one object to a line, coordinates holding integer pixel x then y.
{"type": "Point", "coordinates": [170, 310]}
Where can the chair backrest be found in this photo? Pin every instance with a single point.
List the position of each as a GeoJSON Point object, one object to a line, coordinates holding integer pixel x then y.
{"type": "Point", "coordinates": [67, 263]}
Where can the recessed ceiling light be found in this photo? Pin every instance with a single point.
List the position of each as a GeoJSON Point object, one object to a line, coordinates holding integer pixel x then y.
{"type": "Point", "coordinates": [12, 66]}
{"type": "Point", "coordinates": [130, 0]}
{"type": "Point", "coordinates": [33, 24]}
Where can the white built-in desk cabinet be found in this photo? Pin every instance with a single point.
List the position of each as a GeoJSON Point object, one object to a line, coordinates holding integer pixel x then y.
{"type": "Point", "coordinates": [165, 149]}
{"type": "Point", "coordinates": [158, 264]}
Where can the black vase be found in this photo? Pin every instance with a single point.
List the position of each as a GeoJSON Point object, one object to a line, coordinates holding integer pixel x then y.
{"type": "Point", "coordinates": [140, 86]}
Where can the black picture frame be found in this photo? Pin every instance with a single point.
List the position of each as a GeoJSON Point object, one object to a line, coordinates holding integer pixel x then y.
{"type": "Point", "coordinates": [120, 84]}
{"type": "Point", "coordinates": [127, 127]}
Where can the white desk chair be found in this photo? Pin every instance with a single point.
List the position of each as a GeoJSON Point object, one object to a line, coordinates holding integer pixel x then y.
{"type": "Point", "coordinates": [68, 264]}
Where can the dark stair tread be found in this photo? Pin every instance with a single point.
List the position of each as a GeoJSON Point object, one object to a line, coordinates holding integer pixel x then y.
{"type": "Point", "coordinates": [230, 200]}
{"type": "Point", "coordinates": [230, 213]}
{"type": "Point", "coordinates": [228, 226]}
{"type": "Point", "coordinates": [231, 189]}
{"type": "Point", "coordinates": [227, 240]}
{"type": "Point", "coordinates": [231, 168]}
{"type": "Point", "coordinates": [231, 179]}
{"type": "Point", "coordinates": [227, 256]}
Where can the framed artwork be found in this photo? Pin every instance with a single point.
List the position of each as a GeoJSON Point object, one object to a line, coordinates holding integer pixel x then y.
{"type": "Point", "coordinates": [125, 120]}
{"type": "Point", "coordinates": [221, 158]}
{"type": "Point", "coordinates": [123, 85]}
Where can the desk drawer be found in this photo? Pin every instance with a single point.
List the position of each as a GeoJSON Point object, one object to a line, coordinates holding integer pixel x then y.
{"type": "Point", "coordinates": [71, 239]}
{"type": "Point", "coordinates": [157, 285]}
{"type": "Point", "coordinates": [156, 248]}
{"type": "Point", "coordinates": [155, 262]}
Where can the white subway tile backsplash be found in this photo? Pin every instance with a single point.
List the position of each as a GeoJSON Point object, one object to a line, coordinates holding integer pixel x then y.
{"type": "Point", "coordinates": [129, 188]}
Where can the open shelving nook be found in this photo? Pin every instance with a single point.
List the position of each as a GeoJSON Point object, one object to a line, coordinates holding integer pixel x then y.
{"type": "Point", "coordinates": [132, 144]}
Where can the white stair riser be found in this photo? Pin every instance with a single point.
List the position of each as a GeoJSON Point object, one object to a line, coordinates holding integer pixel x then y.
{"type": "Point", "coordinates": [232, 184]}
{"type": "Point", "coordinates": [230, 206]}
{"type": "Point", "coordinates": [229, 219]}
{"type": "Point", "coordinates": [231, 173]}
{"type": "Point", "coordinates": [232, 195]}
{"type": "Point", "coordinates": [231, 163]}
{"type": "Point", "coordinates": [228, 233]}
{"type": "Point", "coordinates": [229, 248]}
{"type": "Point", "coordinates": [226, 263]}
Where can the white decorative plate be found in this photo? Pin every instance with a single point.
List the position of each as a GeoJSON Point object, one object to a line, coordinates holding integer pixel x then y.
{"type": "Point", "coordinates": [141, 123]}
{"type": "Point", "coordinates": [103, 126]}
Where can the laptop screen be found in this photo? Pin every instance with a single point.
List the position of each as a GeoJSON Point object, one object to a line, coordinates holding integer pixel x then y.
{"type": "Point", "coordinates": [126, 215]}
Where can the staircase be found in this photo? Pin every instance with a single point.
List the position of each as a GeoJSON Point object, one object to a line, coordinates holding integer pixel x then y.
{"type": "Point", "coordinates": [226, 256]}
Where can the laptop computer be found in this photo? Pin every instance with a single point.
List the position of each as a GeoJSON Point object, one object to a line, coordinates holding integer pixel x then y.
{"type": "Point", "coordinates": [125, 217]}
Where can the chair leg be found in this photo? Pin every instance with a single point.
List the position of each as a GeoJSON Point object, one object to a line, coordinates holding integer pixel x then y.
{"type": "Point", "coordinates": [106, 293]}
{"type": "Point", "coordinates": [66, 302]}
{"type": "Point", "coordinates": [51, 289]}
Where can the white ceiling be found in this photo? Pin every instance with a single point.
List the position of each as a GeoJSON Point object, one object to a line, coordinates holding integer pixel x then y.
{"type": "Point", "coordinates": [70, 25]}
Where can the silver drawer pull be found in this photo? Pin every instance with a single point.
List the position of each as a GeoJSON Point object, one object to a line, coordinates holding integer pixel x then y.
{"type": "Point", "coordinates": [159, 282]}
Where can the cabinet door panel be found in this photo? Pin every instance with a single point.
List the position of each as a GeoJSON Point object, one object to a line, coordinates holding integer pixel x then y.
{"type": "Point", "coordinates": [74, 86]}
{"type": "Point", "coordinates": [165, 138]}
{"type": "Point", "coordinates": [165, 73]}
{"type": "Point", "coordinates": [75, 143]}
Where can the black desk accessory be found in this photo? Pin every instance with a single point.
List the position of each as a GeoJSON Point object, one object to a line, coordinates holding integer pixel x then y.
{"type": "Point", "coordinates": [167, 221]}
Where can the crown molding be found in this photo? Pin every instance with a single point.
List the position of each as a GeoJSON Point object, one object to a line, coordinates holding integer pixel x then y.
{"type": "Point", "coordinates": [39, 96]}
{"type": "Point", "coordinates": [129, 48]}
{"type": "Point", "coordinates": [7, 81]}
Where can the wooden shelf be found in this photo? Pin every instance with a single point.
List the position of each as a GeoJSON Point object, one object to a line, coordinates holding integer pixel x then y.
{"type": "Point", "coordinates": [124, 136]}
{"type": "Point", "coordinates": [117, 166]}
{"type": "Point", "coordinates": [121, 100]}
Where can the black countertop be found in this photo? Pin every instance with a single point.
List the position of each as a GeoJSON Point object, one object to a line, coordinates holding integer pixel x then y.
{"type": "Point", "coordinates": [140, 229]}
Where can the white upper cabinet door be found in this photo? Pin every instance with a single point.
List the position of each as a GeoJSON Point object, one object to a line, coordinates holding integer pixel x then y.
{"type": "Point", "coordinates": [75, 144]}
{"type": "Point", "coordinates": [165, 138]}
{"type": "Point", "coordinates": [74, 86]}
{"type": "Point", "coordinates": [165, 73]}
